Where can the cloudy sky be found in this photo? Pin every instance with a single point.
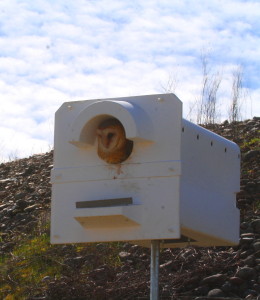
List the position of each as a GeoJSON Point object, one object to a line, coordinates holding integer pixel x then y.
{"type": "Point", "coordinates": [52, 51]}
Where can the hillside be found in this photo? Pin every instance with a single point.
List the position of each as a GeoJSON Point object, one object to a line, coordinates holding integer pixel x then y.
{"type": "Point", "coordinates": [31, 268]}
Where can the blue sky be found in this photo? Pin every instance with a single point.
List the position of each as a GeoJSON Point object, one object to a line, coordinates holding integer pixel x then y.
{"type": "Point", "coordinates": [56, 51]}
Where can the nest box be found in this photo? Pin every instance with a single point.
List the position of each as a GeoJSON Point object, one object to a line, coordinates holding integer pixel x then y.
{"type": "Point", "coordinates": [177, 182]}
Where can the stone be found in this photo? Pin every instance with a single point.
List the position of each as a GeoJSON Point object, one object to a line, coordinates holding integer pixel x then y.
{"type": "Point", "coordinates": [246, 240]}
{"type": "Point", "coordinates": [247, 235]}
{"type": "Point", "coordinates": [8, 246]}
{"type": "Point", "coordinates": [74, 262]}
{"type": "Point", "coordinates": [256, 287]}
{"type": "Point", "coordinates": [246, 253]}
{"type": "Point", "coordinates": [124, 255]}
{"type": "Point", "coordinates": [251, 154]}
{"type": "Point", "coordinates": [246, 273]}
{"type": "Point", "coordinates": [249, 261]}
{"type": "Point", "coordinates": [236, 280]}
{"type": "Point", "coordinates": [257, 254]}
{"type": "Point", "coordinates": [31, 208]}
{"type": "Point", "coordinates": [256, 225]}
{"type": "Point", "coordinates": [244, 225]}
{"type": "Point", "coordinates": [226, 287]}
{"type": "Point", "coordinates": [41, 191]}
{"type": "Point", "coordinates": [216, 279]}
{"type": "Point", "coordinates": [168, 265]}
{"type": "Point", "coordinates": [19, 196]}
{"type": "Point", "coordinates": [46, 278]}
{"type": "Point", "coordinates": [256, 246]}
{"type": "Point", "coordinates": [216, 293]}
{"type": "Point", "coordinates": [3, 193]}
{"type": "Point", "coordinates": [7, 180]}
{"type": "Point", "coordinates": [21, 203]}
{"type": "Point", "coordinates": [202, 290]}
{"type": "Point", "coordinates": [250, 294]}
{"type": "Point", "coordinates": [3, 206]}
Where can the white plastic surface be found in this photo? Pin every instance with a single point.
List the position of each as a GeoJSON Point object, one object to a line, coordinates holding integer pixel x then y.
{"type": "Point", "coordinates": [209, 183]}
{"type": "Point", "coordinates": [181, 178]}
{"type": "Point", "coordinates": [150, 176]}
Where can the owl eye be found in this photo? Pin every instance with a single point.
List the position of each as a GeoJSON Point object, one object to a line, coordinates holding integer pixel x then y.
{"type": "Point", "coordinates": [110, 135]}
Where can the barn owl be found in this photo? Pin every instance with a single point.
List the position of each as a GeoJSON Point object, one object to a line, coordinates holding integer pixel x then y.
{"type": "Point", "coordinates": [113, 146]}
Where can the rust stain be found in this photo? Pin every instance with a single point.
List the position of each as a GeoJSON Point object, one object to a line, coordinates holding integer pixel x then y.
{"type": "Point", "coordinates": [119, 169]}
{"type": "Point", "coordinates": [116, 170]}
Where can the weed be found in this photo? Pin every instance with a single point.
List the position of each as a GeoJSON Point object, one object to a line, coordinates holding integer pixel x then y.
{"type": "Point", "coordinates": [253, 144]}
{"type": "Point", "coordinates": [22, 271]}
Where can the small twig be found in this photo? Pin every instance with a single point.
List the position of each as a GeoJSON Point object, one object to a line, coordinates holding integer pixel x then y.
{"type": "Point", "coordinates": [10, 279]}
{"type": "Point", "coordinates": [209, 254]}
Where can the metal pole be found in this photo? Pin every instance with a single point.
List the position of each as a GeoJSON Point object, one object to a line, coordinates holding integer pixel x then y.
{"type": "Point", "coordinates": [154, 271]}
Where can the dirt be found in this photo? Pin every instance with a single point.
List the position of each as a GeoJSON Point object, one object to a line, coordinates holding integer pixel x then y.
{"type": "Point", "coordinates": [122, 270]}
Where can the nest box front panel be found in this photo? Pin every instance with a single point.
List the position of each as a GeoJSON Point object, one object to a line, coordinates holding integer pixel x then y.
{"type": "Point", "coordinates": [116, 172]}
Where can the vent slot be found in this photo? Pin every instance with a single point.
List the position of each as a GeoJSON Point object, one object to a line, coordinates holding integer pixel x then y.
{"type": "Point", "coordinates": [104, 203]}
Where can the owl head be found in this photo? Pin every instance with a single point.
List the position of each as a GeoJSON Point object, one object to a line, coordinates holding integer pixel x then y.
{"type": "Point", "coordinates": [113, 146]}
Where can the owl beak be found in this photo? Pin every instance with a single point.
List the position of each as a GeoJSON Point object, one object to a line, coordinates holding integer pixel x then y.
{"type": "Point", "coordinates": [103, 139]}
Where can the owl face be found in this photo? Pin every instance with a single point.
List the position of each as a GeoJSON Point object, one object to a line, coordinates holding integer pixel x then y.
{"type": "Point", "coordinates": [110, 136]}
{"type": "Point", "coordinates": [113, 147]}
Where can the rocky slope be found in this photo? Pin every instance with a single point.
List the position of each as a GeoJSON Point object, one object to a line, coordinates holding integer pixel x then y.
{"type": "Point", "coordinates": [121, 270]}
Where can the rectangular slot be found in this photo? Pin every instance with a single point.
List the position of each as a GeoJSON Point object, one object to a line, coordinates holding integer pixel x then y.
{"type": "Point", "coordinates": [183, 239]}
{"type": "Point", "coordinates": [104, 203]}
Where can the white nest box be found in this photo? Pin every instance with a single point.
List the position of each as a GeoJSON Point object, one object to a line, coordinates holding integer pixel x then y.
{"type": "Point", "coordinates": [162, 178]}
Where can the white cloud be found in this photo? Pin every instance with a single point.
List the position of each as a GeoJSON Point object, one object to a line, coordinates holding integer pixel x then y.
{"type": "Point", "coordinates": [52, 52]}
{"type": "Point", "coordinates": [14, 143]}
